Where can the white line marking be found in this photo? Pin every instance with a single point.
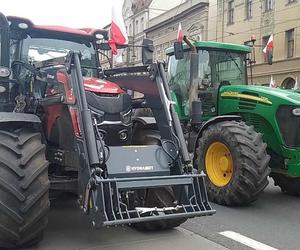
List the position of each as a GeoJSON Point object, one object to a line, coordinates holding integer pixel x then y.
{"type": "Point", "coordinates": [246, 241]}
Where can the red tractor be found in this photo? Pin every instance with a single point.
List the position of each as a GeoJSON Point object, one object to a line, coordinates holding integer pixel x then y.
{"type": "Point", "coordinates": [65, 124]}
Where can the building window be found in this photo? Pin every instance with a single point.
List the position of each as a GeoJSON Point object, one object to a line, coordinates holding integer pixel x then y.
{"type": "Point", "coordinates": [136, 26]}
{"type": "Point", "coordinates": [290, 41]}
{"type": "Point", "coordinates": [268, 5]}
{"type": "Point", "coordinates": [292, 1]}
{"type": "Point", "coordinates": [130, 30]}
{"type": "Point", "coordinates": [249, 9]}
{"type": "Point", "coordinates": [230, 11]}
{"type": "Point", "coordinates": [142, 24]}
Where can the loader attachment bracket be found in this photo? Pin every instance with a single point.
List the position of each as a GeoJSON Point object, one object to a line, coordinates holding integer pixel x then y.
{"type": "Point", "coordinates": [111, 208]}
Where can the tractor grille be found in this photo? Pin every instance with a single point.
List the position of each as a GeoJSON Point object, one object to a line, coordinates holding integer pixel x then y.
{"type": "Point", "coordinates": [289, 125]}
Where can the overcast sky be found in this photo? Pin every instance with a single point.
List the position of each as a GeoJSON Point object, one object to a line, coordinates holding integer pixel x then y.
{"type": "Point", "coordinates": [72, 13]}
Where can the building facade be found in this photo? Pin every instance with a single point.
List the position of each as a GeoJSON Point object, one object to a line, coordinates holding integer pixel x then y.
{"type": "Point", "coordinates": [235, 21]}
{"type": "Point", "coordinates": [193, 16]}
{"type": "Point", "coordinates": [136, 14]}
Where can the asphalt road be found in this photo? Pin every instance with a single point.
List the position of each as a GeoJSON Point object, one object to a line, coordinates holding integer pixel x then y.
{"type": "Point", "coordinates": [69, 229]}
{"type": "Point", "coordinates": [273, 220]}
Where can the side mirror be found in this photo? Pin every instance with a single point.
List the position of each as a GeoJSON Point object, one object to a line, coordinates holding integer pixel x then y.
{"type": "Point", "coordinates": [147, 51]}
{"type": "Point", "coordinates": [178, 50]}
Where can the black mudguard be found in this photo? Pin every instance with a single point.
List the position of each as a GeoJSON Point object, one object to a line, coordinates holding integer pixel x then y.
{"type": "Point", "coordinates": [215, 120]}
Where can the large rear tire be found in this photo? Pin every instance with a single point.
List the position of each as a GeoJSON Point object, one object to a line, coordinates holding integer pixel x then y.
{"type": "Point", "coordinates": [235, 160]}
{"type": "Point", "coordinates": [24, 188]}
{"type": "Point", "coordinates": [288, 185]}
{"type": "Point", "coordinates": [155, 197]}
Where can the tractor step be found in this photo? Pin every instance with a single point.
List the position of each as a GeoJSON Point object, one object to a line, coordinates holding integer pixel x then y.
{"type": "Point", "coordinates": [189, 190]}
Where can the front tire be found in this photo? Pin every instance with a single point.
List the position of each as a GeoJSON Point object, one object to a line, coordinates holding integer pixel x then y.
{"type": "Point", "coordinates": [235, 160]}
{"type": "Point", "coordinates": [24, 188]}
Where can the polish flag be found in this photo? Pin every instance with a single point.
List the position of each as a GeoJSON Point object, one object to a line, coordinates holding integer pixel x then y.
{"type": "Point", "coordinates": [179, 34]}
{"type": "Point", "coordinates": [269, 45]}
{"type": "Point", "coordinates": [118, 34]}
{"type": "Point", "coordinates": [272, 83]}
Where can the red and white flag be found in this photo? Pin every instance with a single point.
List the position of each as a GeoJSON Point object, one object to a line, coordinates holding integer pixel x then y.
{"type": "Point", "coordinates": [118, 34]}
{"type": "Point", "coordinates": [269, 46]}
{"type": "Point", "coordinates": [179, 34]}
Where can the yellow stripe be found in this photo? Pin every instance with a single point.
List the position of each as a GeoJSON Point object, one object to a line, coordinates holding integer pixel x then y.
{"type": "Point", "coordinates": [260, 99]}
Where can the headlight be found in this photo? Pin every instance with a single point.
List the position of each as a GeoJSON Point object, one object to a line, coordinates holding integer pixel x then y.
{"type": "Point", "coordinates": [23, 26]}
{"type": "Point", "coordinates": [2, 89]}
{"type": "Point", "coordinates": [4, 72]}
{"type": "Point", "coordinates": [296, 112]}
{"type": "Point", "coordinates": [99, 36]}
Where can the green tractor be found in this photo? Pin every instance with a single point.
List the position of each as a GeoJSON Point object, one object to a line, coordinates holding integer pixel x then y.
{"type": "Point", "coordinates": [239, 133]}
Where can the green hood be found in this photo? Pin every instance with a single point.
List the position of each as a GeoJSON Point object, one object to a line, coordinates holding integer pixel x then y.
{"type": "Point", "coordinates": [264, 95]}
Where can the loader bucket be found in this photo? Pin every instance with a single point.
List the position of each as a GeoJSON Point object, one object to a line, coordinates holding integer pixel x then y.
{"type": "Point", "coordinates": [111, 210]}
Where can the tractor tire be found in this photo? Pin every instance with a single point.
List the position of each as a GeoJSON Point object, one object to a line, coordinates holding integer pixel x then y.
{"type": "Point", "coordinates": [159, 197]}
{"type": "Point", "coordinates": [156, 197]}
{"type": "Point", "coordinates": [234, 158]}
{"type": "Point", "coordinates": [288, 185]}
{"type": "Point", "coordinates": [24, 188]}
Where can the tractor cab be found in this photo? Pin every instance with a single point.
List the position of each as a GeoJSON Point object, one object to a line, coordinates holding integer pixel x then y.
{"type": "Point", "coordinates": [35, 43]}
{"type": "Point", "coordinates": [40, 45]}
{"type": "Point", "coordinates": [214, 66]}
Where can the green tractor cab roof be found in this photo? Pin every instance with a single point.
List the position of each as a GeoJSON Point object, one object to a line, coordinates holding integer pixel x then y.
{"type": "Point", "coordinates": [214, 46]}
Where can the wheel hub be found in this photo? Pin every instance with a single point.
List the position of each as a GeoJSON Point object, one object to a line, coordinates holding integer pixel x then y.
{"type": "Point", "coordinates": [219, 164]}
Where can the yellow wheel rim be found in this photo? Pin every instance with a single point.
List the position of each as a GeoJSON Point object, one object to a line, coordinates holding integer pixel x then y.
{"type": "Point", "coordinates": [219, 164]}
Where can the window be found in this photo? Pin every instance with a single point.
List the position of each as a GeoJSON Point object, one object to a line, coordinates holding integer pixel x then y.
{"type": "Point", "coordinates": [136, 26]}
{"type": "Point", "coordinates": [268, 5]}
{"type": "Point", "coordinates": [230, 11]}
{"type": "Point", "coordinates": [291, 1]}
{"type": "Point", "coordinates": [290, 42]}
{"type": "Point", "coordinates": [142, 25]}
{"type": "Point", "coordinates": [249, 9]}
{"type": "Point", "coordinates": [130, 30]}
{"type": "Point", "coordinates": [41, 49]}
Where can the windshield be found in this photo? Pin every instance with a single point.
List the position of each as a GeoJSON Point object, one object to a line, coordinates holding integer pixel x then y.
{"type": "Point", "coordinates": [215, 68]}
{"type": "Point", "coordinates": [40, 49]}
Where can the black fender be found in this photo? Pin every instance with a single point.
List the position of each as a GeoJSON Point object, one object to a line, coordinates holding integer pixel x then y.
{"type": "Point", "coordinates": [6, 117]}
{"type": "Point", "coordinates": [215, 120]}
{"type": "Point", "coordinates": [22, 120]}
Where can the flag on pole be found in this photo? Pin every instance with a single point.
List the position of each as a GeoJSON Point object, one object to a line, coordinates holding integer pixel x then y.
{"type": "Point", "coordinates": [179, 34]}
{"type": "Point", "coordinates": [296, 86]}
{"type": "Point", "coordinates": [268, 50]}
{"type": "Point", "coordinates": [118, 34]}
{"type": "Point", "coordinates": [272, 83]}
{"type": "Point", "coordinates": [269, 45]}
